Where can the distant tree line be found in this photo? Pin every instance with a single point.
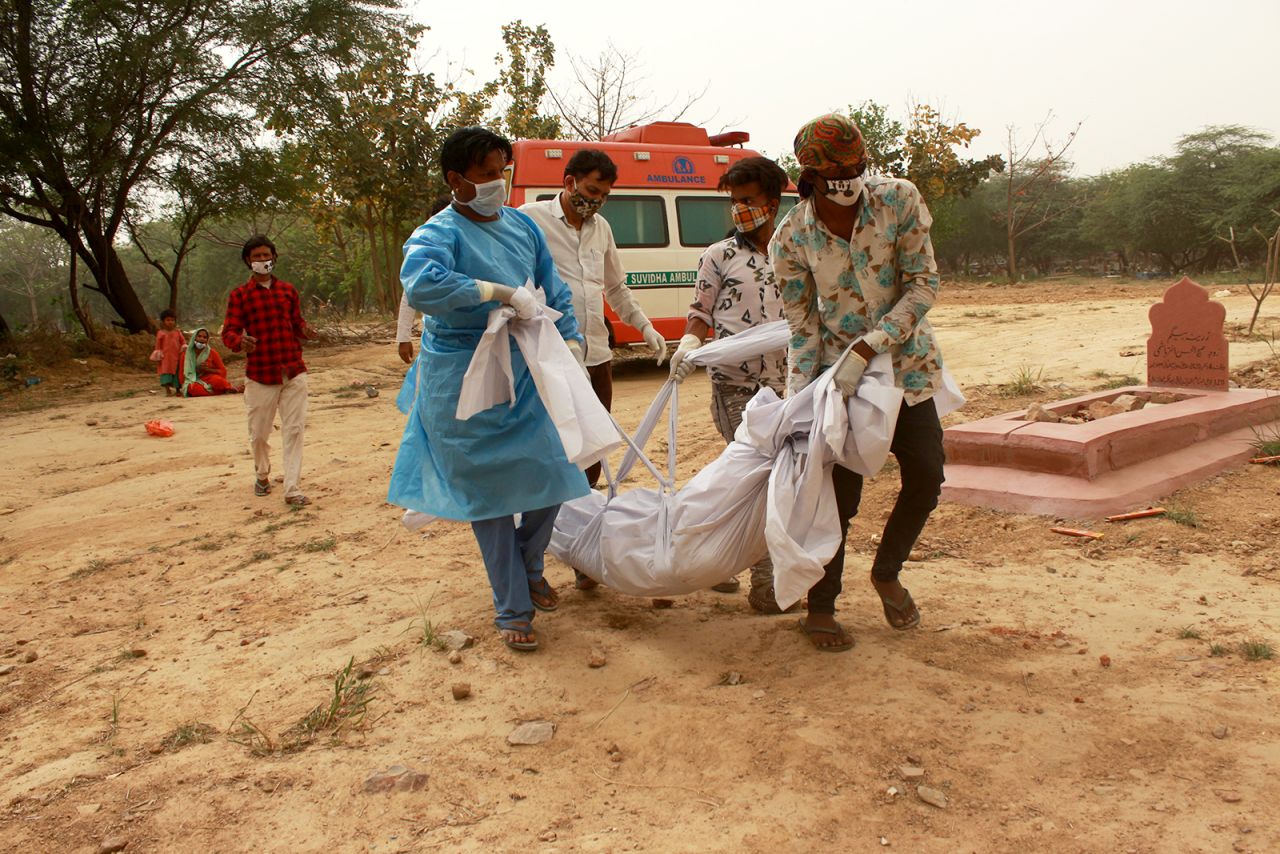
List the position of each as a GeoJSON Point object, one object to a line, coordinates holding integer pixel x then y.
{"type": "Point", "coordinates": [142, 141]}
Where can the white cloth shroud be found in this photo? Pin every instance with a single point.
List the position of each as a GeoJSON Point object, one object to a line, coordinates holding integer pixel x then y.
{"type": "Point", "coordinates": [769, 491]}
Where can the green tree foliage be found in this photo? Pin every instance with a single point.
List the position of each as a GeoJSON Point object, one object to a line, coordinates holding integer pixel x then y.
{"type": "Point", "coordinates": [367, 163]}
{"type": "Point", "coordinates": [33, 271]}
{"type": "Point", "coordinates": [523, 82]}
{"type": "Point", "coordinates": [369, 160]}
{"type": "Point", "coordinates": [1173, 214]}
{"type": "Point", "coordinates": [99, 101]}
{"type": "Point", "coordinates": [926, 151]}
{"type": "Point", "coordinates": [884, 138]}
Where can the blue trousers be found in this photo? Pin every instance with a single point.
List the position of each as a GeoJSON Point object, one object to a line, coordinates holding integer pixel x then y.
{"type": "Point", "coordinates": [513, 558]}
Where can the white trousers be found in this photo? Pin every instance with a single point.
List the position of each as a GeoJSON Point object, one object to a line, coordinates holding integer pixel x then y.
{"type": "Point", "coordinates": [289, 398]}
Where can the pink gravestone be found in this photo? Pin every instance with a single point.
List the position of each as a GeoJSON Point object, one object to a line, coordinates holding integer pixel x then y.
{"type": "Point", "coordinates": [1187, 348]}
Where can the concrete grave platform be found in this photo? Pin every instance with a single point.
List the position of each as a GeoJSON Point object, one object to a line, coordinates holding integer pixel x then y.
{"type": "Point", "coordinates": [1107, 466]}
{"type": "Point", "coordinates": [1191, 426]}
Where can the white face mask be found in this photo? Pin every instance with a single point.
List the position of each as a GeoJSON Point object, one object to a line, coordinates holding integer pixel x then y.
{"type": "Point", "coordinates": [844, 191]}
{"type": "Point", "coordinates": [200, 345]}
{"type": "Point", "coordinates": [490, 197]}
{"type": "Point", "coordinates": [262, 268]}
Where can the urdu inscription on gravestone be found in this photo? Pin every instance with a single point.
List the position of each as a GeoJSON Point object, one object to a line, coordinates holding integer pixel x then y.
{"type": "Point", "coordinates": [1187, 348]}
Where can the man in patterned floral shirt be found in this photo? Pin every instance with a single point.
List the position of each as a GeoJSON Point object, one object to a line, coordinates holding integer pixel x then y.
{"type": "Point", "coordinates": [855, 266]}
{"type": "Point", "coordinates": [736, 291]}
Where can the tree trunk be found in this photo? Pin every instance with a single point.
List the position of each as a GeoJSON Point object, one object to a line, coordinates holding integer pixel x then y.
{"type": "Point", "coordinates": [390, 260]}
{"type": "Point", "coordinates": [4, 328]}
{"type": "Point", "coordinates": [1012, 263]}
{"type": "Point", "coordinates": [33, 305]}
{"type": "Point", "coordinates": [111, 278]}
{"type": "Point", "coordinates": [356, 298]}
{"type": "Point", "coordinates": [86, 322]}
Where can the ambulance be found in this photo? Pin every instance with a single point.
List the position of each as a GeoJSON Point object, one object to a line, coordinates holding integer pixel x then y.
{"type": "Point", "coordinates": [664, 208]}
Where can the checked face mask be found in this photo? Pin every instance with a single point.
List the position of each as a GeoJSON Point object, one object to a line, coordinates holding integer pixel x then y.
{"type": "Point", "coordinates": [748, 218]}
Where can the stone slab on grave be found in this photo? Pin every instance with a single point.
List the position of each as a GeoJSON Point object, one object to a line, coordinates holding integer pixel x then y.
{"type": "Point", "coordinates": [1191, 426]}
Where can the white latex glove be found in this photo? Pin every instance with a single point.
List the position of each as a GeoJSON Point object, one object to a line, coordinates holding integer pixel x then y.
{"type": "Point", "coordinates": [657, 344]}
{"type": "Point", "coordinates": [848, 371]}
{"type": "Point", "coordinates": [521, 299]}
{"type": "Point", "coordinates": [576, 349]}
{"type": "Point", "coordinates": [679, 367]}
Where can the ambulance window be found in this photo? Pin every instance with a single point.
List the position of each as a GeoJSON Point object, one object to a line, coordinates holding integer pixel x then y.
{"type": "Point", "coordinates": [637, 221]}
{"type": "Point", "coordinates": [785, 204]}
{"type": "Point", "coordinates": [703, 219]}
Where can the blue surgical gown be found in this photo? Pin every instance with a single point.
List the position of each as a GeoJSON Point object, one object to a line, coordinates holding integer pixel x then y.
{"type": "Point", "coordinates": [507, 459]}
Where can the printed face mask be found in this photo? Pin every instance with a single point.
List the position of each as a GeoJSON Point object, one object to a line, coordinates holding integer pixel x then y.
{"type": "Point", "coordinates": [749, 218]}
{"type": "Point", "coordinates": [262, 268]}
{"type": "Point", "coordinates": [844, 191]}
{"type": "Point", "coordinates": [584, 206]}
{"type": "Point", "coordinates": [490, 197]}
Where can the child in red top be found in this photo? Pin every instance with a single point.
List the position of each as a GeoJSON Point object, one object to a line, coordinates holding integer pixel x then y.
{"type": "Point", "coordinates": [169, 344]}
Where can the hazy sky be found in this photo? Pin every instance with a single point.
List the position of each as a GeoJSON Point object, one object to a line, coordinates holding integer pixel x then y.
{"type": "Point", "coordinates": [1138, 74]}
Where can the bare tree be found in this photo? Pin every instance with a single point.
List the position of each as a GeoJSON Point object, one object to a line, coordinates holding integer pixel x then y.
{"type": "Point", "coordinates": [1269, 272]}
{"type": "Point", "coordinates": [1230, 240]}
{"type": "Point", "coordinates": [30, 259]}
{"type": "Point", "coordinates": [608, 94]}
{"type": "Point", "coordinates": [1034, 186]}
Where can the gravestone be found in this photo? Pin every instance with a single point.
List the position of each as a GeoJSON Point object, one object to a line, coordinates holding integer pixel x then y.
{"type": "Point", "coordinates": [1187, 348]}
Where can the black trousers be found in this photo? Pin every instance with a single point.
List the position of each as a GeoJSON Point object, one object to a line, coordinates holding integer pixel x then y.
{"type": "Point", "coordinates": [917, 445]}
{"type": "Point", "coordinates": [602, 384]}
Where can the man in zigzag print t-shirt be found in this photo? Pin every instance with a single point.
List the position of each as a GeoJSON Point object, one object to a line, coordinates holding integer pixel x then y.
{"type": "Point", "coordinates": [735, 292]}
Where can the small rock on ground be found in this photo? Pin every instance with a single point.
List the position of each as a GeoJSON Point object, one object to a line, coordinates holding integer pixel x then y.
{"type": "Point", "coordinates": [461, 690]}
{"type": "Point", "coordinates": [455, 657]}
{"type": "Point", "coordinates": [910, 772]}
{"type": "Point", "coordinates": [456, 640]}
{"type": "Point", "coordinates": [596, 659]}
{"type": "Point", "coordinates": [931, 796]}
{"type": "Point", "coordinates": [7, 669]}
{"type": "Point", "coordinates": [532, 732]}
{"type": "Point", "coordinates": [112, 844]}
{"type": "Point", "coordinates": [398, 777]}
{"type": "Point", "coordinates": [30, 656]}
{"type": "Point", "coordinates": [1220, 732]}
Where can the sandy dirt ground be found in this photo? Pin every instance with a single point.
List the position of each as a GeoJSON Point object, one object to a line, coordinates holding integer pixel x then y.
{"type": "Point", "coordinates": [164, 636]}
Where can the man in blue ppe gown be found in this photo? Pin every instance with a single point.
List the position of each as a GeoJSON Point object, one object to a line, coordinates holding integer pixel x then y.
{"type": "Point", "coordinates": [459, 266]}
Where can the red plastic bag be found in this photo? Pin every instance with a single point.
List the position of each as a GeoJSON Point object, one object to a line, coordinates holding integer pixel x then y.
{"type": "Point", "coordinates": [164, 429]}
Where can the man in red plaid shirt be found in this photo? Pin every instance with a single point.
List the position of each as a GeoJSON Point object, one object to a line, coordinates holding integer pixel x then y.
{"type": "Point", "coordinates": [264, 319]}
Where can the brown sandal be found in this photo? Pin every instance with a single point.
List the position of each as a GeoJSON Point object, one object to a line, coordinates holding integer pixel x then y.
{"type": "Point", "coordinates": [839, 631]}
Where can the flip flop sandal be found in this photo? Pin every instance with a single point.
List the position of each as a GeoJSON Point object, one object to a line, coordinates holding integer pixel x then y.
{"type": "Point", "coordinates": [297, 501]}
{"type": "Point", "coordinates": [261, 488]}
{"type": "Point", "coordinates": [900, 609]}
{"type": "Point", "coordinates": [584, 582]}
{"type": "Point", "coordinates": [810, 631]}
{"type": "Point", "coordinates": [730, 586]}
{"type": "Point", "coordinates": [544, 589]}
{"type": "Point", "coordinates": [519, 646]}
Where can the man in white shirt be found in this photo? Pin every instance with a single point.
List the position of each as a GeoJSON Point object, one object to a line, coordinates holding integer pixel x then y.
{"type": "Point", "coordinates": [587, 259]}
